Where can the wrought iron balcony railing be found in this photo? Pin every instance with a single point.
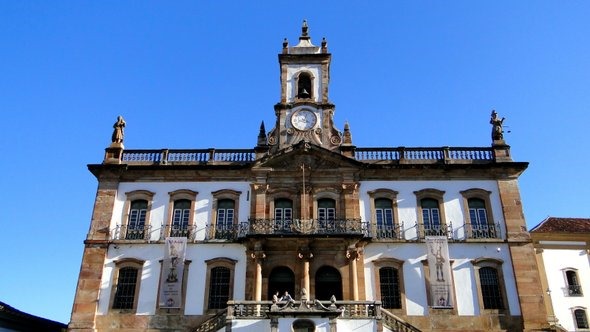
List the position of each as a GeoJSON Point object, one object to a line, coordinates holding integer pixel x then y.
{"type": "Point", "coordinates": [393, 232]}
{"type": "Point", "coordinates": [304, 227]}
{"type": "Point", "coordinates": [424, 230]}
{"type": "Point", "coordinates": [574, 290]}
{"type": "Point", "coordinates": [188, 231]}
{"type": "Point", "coordinates": [488, 231]}
{"type": "Point", "coordinates": [132, 232]}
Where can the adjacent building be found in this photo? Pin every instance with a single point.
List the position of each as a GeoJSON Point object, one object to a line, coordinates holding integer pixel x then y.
{"type": "Point", "coordinates": [562, 246]}
{"type": "Point", "coordinates": [362, 238]}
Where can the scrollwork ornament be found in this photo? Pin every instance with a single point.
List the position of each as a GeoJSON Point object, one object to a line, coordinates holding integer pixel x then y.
{"type": "Point", "coordinates": [335, 140]}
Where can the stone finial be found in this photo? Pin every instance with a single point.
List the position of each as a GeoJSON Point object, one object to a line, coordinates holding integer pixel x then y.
{"type": "Point", "coordinates": [285, 46]}
{"type": "Point", "coordinates": [347, 135]}
{"type": "Point", "coordinates": [118, 131]}
{"type": "Point", "coordinates": [262, 135]}
{"type": "Point", "coordinates": [304, 30]}
{"type": "Point", "coordinates": [497, 129]}
{"type": "Point", "coordinates": [324, 45]}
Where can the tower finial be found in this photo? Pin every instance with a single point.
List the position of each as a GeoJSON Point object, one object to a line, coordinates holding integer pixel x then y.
{"type": "Point", "coordinates": [304, 31]}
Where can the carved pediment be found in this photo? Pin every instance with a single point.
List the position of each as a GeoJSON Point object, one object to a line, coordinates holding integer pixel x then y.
{"type": "Point", "coordinates": [310, 155]}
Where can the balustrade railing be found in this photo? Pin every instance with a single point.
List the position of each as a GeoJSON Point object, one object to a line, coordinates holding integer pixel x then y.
{"type": "Point", "coordinates": [574, 290]}
{"type": "Point", "coordinates": [395, 323]}
{"type": "Point", "coordinates": [214, 323]}
{"type": "Point", "coordinates": [456, 154]}
{"type": "Point", "coordinates": [166, 156]}
{"type": "Point", "coordinates": [299, 226]}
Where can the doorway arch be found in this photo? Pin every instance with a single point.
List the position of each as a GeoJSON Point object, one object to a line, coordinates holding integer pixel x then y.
{"type": "Point", "coordinates": [281, 279]}
{"type": "Point", "coordinates": [328, 282]}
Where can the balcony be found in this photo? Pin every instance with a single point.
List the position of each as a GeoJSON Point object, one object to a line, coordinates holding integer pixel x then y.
{"type": "Point", "coordinates": [387, 232]}
{"type": "Point", "coordinates": [187, 231]}
{"type": "Point", "coordinates": [424, 230]}
{"type": "Point", "coordinates": [132, 232]}
{"type": "Point", "coordinates": [574, 290]}
{"type": "Point", "coordinates": [279, 227]}
{"type": "Point", "coordinates": [488, 231]}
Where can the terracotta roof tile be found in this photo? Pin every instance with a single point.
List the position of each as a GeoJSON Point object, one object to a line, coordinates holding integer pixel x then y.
{"type": "Point", "coordinates": [563, 225]}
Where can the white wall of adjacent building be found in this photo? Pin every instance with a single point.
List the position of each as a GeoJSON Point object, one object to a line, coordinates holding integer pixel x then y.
{"type": "Point", "coordinates": [556, 261]}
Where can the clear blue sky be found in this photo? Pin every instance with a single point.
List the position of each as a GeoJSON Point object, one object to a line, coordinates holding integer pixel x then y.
{"type": "Point", "coordinates": [200, 74]}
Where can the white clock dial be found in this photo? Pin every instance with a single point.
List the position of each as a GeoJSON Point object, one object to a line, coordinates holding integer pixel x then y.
{"type": "Point", "coordinates": [303, 119]}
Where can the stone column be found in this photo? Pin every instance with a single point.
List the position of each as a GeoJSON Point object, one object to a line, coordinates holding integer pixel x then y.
{"type": "Point", "coordinates": [305, 255]}
{"type": "Point", "coordinates": [258, 256]}
{"type": "Point", "coordinates": [95, 250]}
{"type": "Point", "coordinates": [353, 255]}
{"type": "Point", "coordinates": [526, 274]}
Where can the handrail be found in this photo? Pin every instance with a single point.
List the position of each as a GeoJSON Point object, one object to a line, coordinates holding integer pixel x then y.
{"type": "Point", "coordinates": [214, 323]}
{"type": "Point", "coordinates": [395, 323]}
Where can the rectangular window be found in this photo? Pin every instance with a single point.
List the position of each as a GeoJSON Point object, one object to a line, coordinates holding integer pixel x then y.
{"type": "Point", "coordinates": [125, 293]}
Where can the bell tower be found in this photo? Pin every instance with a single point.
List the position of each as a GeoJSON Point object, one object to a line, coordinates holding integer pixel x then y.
{"type": "Point", "coordinates": [304, 112]}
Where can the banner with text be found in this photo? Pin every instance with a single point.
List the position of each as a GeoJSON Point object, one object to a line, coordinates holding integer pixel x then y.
{"type": "Point", "coordinates": [441, 293]}
{"type": "Point", "coordinates": [172, 272]}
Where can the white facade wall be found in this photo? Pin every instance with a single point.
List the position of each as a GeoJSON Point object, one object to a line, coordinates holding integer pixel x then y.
{"type": "Point", "coordinates": [556, 261]}
{"type": "Point", "coordinates": [453, 202]}
{"type": "Point", "coordinates": [466, 294]}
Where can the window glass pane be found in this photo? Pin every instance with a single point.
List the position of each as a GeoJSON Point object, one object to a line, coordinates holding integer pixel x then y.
{"type": "Point", "coordinates": [288, 214]}
{"type": "Point", "coordinates": [220, 216]}
{"type": "Point", "coordinates": [388, 216]}
{"type": "Point", "coordinates": [379, 215]}
{"type": "Point", "coordinates": [125, 292]}
{"type": "Point", "coordinates": [389, 284]}
{"type": "Point", "coordinates": [331, 214]}
{"type": "Point", "coordinates": [279, 214]}
{"type": "Point", "coordinates": [322, 213]}
{"type": "Point", "coordinates": [490, 288]}
{"type": "Point", "coordinates": [326, 203]}
{"type": "Point", "coordinates": [482, 216]}
{"type": "Point", "coordinates": [219, 287]}
{"type": "Point", "coordinates": [581, 319]}
{"type": "Point", "coordinates": [383, 203]}
{"type": "Point", "coordinates": [426, 217]}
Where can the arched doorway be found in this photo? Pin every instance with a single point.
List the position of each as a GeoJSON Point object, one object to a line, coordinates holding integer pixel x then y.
{"type": "Point", "coordinates": [328, 282]}
{"type": "Point", "coordinates": [281, 279]}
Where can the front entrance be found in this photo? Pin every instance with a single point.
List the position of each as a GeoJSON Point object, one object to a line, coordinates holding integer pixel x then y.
{"type": "Point", "coordinates": [328, 282]}
{"type": "Point", "coordinates": [281, 279]}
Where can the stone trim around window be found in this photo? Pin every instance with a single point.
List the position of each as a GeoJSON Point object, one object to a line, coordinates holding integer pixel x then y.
{"type": "Point", "coordinates": [326, 194]}
{"type": "Point", "coordinates": [479, 263]}
{"type": "Point", "coordinates": [391, 195]}
{"type": "Point", "coordinates": [120, 264]}
{"type": "Point", "coordinates": [437, 195]}
{"type": "Point", "coordinates": [134, 196]}
{"type": "Point", "coordinates": [175, 196]}
{"type": "Point", "coordinates": [213, 263]}
{"type": "Point", "coordinates": [398, 265]}
{"type": "Point", "coordinates": [225, 194]}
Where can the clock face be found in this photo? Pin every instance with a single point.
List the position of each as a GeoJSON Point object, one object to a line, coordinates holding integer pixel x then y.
{"type": "Point", "coordinates": [303, 119]}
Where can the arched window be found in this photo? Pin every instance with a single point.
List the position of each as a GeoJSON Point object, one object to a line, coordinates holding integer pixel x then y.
{"type": "Point", "coordinates": [304, 88]}
{"type": "Point", "coordinates": [490, 288]}
{"type": "Point", "coordinates": [303, 325]}
{"type": "Point", "coordinates": [224, 226]}
{"type": "Point", "coordinates": [180, 218]}
{"type": "Point", "coordinates": [479, 219]}
{"type": "Point", "coordinates": [390, 288]}
{"type": "Point", "coordinates": [137, 219]}
{"type": "Point", "coordinates": [581, 318]}
{"type": "Point", "coordinates": [281, 280]}
{"type": "Point", "coordinates": [283, 215]}
{"type": "Point", "coordinates": [477, 211]}
{"type": "Point", "coordinates": [328, 282]}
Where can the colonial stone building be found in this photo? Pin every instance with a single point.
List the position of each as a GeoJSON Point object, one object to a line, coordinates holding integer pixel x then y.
{"type": "Point", "coordinates": [562, 246]}
{"type": "Point", "coordinates": [371, 239]}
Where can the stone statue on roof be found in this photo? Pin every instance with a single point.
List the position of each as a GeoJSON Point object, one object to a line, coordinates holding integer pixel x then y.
{"type": "Point", "coordinates": [497, 130]}
{"type": "Point", "coordinates": [118, 131]}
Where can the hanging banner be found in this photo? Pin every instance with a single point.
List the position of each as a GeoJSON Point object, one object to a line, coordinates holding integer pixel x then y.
{"type": "Point", "coordinates": [441, 293]}
{"type": "Point", "coordinates": [172, 271]}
